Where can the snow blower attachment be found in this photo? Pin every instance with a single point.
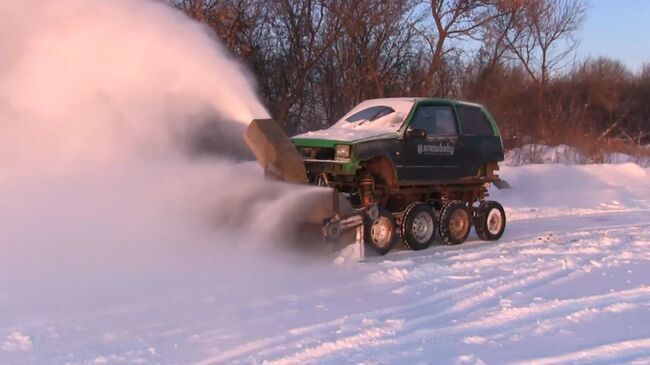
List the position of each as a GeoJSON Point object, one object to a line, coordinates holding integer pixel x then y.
{"type": "Point", "coordinates": [330, 212]}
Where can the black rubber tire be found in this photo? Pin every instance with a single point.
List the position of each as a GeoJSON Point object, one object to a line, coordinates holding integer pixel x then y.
{"type": "Point", "coordinates": [409, 238]}
{"type": "Point", "coordinates": [481, 221]}
{"type": "Point", "coordinates": [384, 217]}
{"type": "Point", "coordinates": [450, 232]}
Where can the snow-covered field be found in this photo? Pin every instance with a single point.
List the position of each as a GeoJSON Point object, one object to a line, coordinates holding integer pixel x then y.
{"type": "Point", "coordinates": [117, 248]}
{"type": "Point", "coordinates": [567, 284]}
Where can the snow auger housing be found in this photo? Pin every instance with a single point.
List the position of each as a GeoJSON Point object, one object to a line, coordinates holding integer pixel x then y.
{"type": "Point", "coordinates": [281, 161]}
{"type": "Point", "coordinates": [275, 152]}
{"type": "Point", "coordinates": [411, 167]}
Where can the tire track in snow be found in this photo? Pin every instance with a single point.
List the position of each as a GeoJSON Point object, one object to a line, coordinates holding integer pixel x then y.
{"type": "Point", "coordinates": [614, 353]}
{"type": "Point", "coordinates": [277, 348]}
{"type": "Point", "coordinates": [546, 310]}
{"type": "Point", "coordinates": [279, 344]}
{"type": "Point", "coordinates": [639, 295]}
{"type": "Point", "coordinates": [370, 337]}
{"type": "Point", "coordinates": [359, 321]}
{"type": "Point", "coordinates": [269, 347]}
{"type": "Point", "coordinates": [356, 321]}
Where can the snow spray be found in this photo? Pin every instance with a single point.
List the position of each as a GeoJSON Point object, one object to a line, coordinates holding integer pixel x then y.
{"type": "Point", "coordinates": [98, 102]}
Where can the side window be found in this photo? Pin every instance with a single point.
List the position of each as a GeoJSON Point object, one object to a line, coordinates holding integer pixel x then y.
{"type": "Point", "coordinates": [435, 119]}
{"type": "Point", "coordinates": [474, 121]}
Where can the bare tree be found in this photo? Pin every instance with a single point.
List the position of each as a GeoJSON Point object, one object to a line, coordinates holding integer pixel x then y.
{"type": "Point", "coordinates": [541, 35]}
{"type": "Point", "coordinates": [201, 10]}
{"type": "Point", "coordinates": [301, 32]}
{"type": "Point", "coordinates": [370, 56]}
{"type": "Point", "coordinates": [452, 20]}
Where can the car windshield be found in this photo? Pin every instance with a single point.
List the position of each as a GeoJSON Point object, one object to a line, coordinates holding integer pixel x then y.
{"type": "Point", "coordinates": [370, 114]}
{"type": "Point", "coordinates": [372, 117]}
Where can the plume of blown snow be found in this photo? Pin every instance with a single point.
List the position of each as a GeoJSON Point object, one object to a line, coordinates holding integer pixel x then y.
{"type": "Point", "coordinates": [91, 82]}
{"type": "Point", "coordinates": [97, 102]}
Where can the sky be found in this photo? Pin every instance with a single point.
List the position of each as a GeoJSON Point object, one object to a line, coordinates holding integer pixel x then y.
{"type": "Point", "coordinates": [619, 29]}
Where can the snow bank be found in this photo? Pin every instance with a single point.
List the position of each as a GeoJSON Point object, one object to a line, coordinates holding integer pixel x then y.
{"type": "Point", "coordinates": [555, 189]}
{"type": "Point", "coordinates": [560, 180]}
{"type": "Point", "coordinates": [539, 153]}
{"type": "Point", "coordinates": [564, 154]}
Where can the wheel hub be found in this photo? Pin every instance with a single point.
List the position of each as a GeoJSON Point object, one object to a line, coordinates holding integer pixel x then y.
{"type": "Point", "coordinates": [380, 231]}
{"type": "Point", "coordinates": [494, 221]}
{"type": "Point", "coordinates": [458, 223]}
{"type": "Point", "coordinates": [422, 228]}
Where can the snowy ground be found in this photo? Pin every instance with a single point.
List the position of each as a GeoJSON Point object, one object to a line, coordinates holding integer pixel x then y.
{"type": "Point", "coordinates": [117, 249]}
{"type": "Point", "coordinates": [567, 284]}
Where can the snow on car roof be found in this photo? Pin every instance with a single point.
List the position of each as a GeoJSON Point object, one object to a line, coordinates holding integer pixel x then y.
{"type": "Point", "coordinates": [382, 123]}
{"type": "Point", "coordinates": [401, 105]}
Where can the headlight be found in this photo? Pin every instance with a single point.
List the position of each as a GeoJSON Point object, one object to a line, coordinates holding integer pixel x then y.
{"type": "Point", "coordinates": [342, 151]}
{"type": "Point", "coordinates": [306, 152]}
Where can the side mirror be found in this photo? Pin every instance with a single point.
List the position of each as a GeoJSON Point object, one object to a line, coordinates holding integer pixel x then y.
{"type": "Point", "coordinates": [416, 133]}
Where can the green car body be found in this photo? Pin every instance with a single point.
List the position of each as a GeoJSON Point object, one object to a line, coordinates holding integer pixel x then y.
{"type": "Point", "coordinates": [470, 141]}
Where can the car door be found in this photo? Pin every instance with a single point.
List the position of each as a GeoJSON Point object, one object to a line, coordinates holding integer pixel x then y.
{"type": "Point", "coordinates": [481, 143]}
{"type": "Point", "coordinates": [434, 156]}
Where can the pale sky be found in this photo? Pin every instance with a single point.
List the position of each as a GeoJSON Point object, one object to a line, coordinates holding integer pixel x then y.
{"type": "Point", "coordinates": [619, 29]}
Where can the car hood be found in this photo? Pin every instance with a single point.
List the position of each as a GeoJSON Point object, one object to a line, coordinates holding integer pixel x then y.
{"type": "Point", "coordinates": [347, 135]}
{"type": "Point", "coordinates": [326, 139]}
{"type": "Point", "coordinates": [347, 132]}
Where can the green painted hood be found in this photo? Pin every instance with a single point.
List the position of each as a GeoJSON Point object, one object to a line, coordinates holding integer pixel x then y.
{"type": "Point", "coordinates": [306, 140]}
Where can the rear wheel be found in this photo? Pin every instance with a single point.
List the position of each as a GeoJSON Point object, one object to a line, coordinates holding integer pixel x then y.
{"type": "Point", "coordinates": [490, 221]}
{"type": "Point", "coordinates": [380, 233]}
{"type": "Point", "coordinates": [418, 226]}
{"type": "Point", "coordinates": [454, 223]}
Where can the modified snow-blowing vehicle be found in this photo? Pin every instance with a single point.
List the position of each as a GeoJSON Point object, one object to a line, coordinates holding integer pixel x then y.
{"type": "Point", "coordinates": [414, 168]}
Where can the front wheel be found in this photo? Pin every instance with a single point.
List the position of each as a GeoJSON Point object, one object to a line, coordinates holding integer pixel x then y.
{"type": "Point", "coordinates": [455, 222]}
{"type": "Point", "coordinates": [380, 233]}
{"type": "Point", "coordinates": [490, 221]}
{"type": "Point", "coordinates": [418, 226]}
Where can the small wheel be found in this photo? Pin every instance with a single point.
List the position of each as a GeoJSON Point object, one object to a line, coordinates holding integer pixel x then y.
{"type": "Point", "coordinates": [454, 222]}
{"type": "Point", "coordinates": [418, 226]}
{"type": "Point", "coordinates": [490, 221]}
{"type": "Point", "coordinates": [332, 231]}
{"type": "Point", "coordinates": [380, 233]}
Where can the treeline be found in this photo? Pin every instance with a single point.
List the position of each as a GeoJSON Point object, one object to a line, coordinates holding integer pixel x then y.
{"type": "Point", "coordinates": [315, 59]}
